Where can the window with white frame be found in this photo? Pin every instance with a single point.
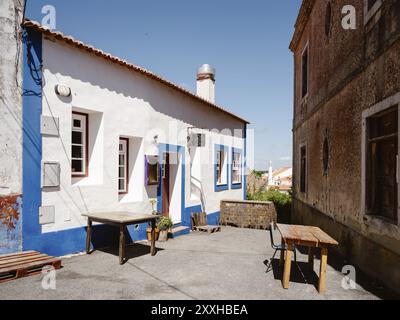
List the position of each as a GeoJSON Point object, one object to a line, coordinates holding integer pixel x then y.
{"type": "Point", "coordinates": [123, 165]}
{"type": "Point", "coordinates": [370, 8]}
{"type": "Point", "coordinates": [220, 161]}
{"type": "Point", "coordinates": [79, 145]}
{"type": "Point", "coordinates": [221, 166]}
{"type": "Point", "coordinates": [236, 168]}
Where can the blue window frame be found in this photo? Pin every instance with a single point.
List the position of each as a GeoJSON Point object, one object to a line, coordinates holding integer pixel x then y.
{"type": "Point", "coordinates": [221, 168]}
{"type": "Point", "coordinates": [237, 169]}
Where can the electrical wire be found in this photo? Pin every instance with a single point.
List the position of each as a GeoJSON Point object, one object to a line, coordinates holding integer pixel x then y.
{"type": "Point", "coordinates": [23, 17]}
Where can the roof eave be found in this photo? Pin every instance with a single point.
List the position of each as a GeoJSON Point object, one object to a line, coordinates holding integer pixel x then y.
{"type": "Point", "coordinates": [71, 41]}
{"type": "Point", "coordinates": [301, 22]}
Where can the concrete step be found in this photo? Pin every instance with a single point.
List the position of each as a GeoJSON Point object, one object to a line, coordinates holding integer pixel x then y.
{"type": "Point", "coordinates": [179, 231]}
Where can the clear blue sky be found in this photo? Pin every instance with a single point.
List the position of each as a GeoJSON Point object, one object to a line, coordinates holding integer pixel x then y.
{"type": "Point", "coordinates": [246, 41]}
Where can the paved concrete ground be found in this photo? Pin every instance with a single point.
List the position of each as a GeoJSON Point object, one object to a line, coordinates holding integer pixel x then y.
{"type": "Point", "coordinates": [227, 265]}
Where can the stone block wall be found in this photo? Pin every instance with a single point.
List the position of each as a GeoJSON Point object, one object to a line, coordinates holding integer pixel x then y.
{"type": "Point", "coordinates": [248, 214]}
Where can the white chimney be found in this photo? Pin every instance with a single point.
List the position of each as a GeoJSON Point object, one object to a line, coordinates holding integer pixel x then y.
{"type": "Point", "coordinates": [206, 83]}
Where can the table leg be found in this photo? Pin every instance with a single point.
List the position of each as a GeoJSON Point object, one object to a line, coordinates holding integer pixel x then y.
{"type": "Point", "coordinates": [311, 258]}
{"type": "Point", "coordinates": [282, 258]}
{"type": "Point", "coordinates": [88, 235]}
{"type": "Point", "coordinates": [153, 238]}
{"type": "Point", "coordinates": [322, 272]}
{"type": "Point", "coordinates": [286, 270]}
{"type": "Point", "coordinates": [121, 244]}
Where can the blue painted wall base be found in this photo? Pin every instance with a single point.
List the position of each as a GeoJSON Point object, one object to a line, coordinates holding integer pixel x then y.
{"type": "Point", "coordinates": [10, 224]}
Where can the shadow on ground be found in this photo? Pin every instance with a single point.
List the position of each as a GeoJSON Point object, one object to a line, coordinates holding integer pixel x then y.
{"type": "Point", "coordinates": [300, 273]}
{"type": "Point", "coordinates": [132, 251]}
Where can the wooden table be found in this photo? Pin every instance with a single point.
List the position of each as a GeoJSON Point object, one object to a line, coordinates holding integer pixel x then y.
{"type": "Point", "coordinates": [311, 237]}
{"type": "Point", "coordinates": [121, 220]}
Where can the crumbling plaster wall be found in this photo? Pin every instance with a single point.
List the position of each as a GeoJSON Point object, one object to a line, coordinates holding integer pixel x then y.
{"type": "Point", "coordinates": [11, 13]}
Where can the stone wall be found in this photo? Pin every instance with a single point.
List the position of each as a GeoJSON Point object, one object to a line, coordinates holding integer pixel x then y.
{"type": "Point", "coordinates": [248, 214]}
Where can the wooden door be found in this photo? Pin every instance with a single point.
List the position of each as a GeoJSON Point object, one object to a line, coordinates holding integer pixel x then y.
{"type": "Point", "coordinates": [165, 186]}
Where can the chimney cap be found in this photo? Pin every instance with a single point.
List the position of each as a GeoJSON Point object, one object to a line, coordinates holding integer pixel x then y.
{"type": "Point", "coordinates": [206, 69]}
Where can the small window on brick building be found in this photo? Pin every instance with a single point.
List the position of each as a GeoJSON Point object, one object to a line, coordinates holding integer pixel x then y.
{"type": "Point", "coordinates": [304, 72]}
{"type": "Point", "coordinates": [303, 169]}
{"type": "Point", "coordinates": [325, 155]}
{"type": "Point", "coordinates": [328, 20]}
{"type": "Point", "coordinates": [382, 161]}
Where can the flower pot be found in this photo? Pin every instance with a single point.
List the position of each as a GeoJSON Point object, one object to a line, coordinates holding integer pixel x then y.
{"type": "Point", "coordinates": [163, 235]}
{"type": "Point", "coordinates": [157, 232]}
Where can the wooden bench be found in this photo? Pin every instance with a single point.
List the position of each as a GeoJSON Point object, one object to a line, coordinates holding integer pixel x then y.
{"type": "Point", "coordinates": [199, 223]}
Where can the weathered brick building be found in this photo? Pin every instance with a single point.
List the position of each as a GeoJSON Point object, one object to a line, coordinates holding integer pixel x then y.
{"type": "Point", "coordinates": [345, 129]}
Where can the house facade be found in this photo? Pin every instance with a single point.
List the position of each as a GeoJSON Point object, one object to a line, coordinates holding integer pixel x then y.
{"type": "Point", "coordinates": [345, 129]}
{"type": "Point", "coordinates": [281, 179]}
{"type": "Point", "coordinates": [101, 134]}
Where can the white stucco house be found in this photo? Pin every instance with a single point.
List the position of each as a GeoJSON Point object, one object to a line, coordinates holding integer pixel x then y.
{"type": "Point", "coordinates": [101, 134]}
{"type": "Point", "coordinates": [279, 179]}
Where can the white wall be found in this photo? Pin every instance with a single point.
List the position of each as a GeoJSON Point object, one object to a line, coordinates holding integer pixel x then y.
{"type": "Point", "coordinates": [206, 89]}
{"type": "Point", "coordinates": [10, 97]}
{"type": "Point", "coordinates": [122, 103]}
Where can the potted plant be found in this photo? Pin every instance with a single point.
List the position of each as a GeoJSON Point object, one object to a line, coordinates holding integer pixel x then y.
{"type": "Point", "coordinates": [148, 230]}
{"type": "Point", "coordinates": [164, 226]}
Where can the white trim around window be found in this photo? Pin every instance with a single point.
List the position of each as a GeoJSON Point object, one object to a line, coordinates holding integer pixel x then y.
{"type": "Point", "coordinates": [305, 177]}
{"type": "Point", "coordinates": [123, 165]}
{"type": "Point", "coordinates": [305, 49]}
{"type": "Point", "coordinates": [236, 167]}
{"type": "Point", "coordinates": [369, 13]}
{"type": "Point", "coordinates": [221, 179]}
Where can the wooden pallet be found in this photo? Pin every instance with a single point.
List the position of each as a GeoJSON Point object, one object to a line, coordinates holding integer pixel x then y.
{"type": "Point", "coordinates": [24, 264]}
{"type": "Point", "coordinates": [209, 229]}
{"type": "Point", "coordinates": [199, 223]}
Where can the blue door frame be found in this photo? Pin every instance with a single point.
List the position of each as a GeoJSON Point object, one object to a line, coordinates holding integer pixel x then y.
{"type": "Point", "coordinates": [180, 150]}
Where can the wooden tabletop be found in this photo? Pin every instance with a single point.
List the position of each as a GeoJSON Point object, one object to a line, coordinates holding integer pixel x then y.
{"type": "Point", "coordinates": [312, 236]}
{"type": "Point", "coordinates": [120, 217]}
